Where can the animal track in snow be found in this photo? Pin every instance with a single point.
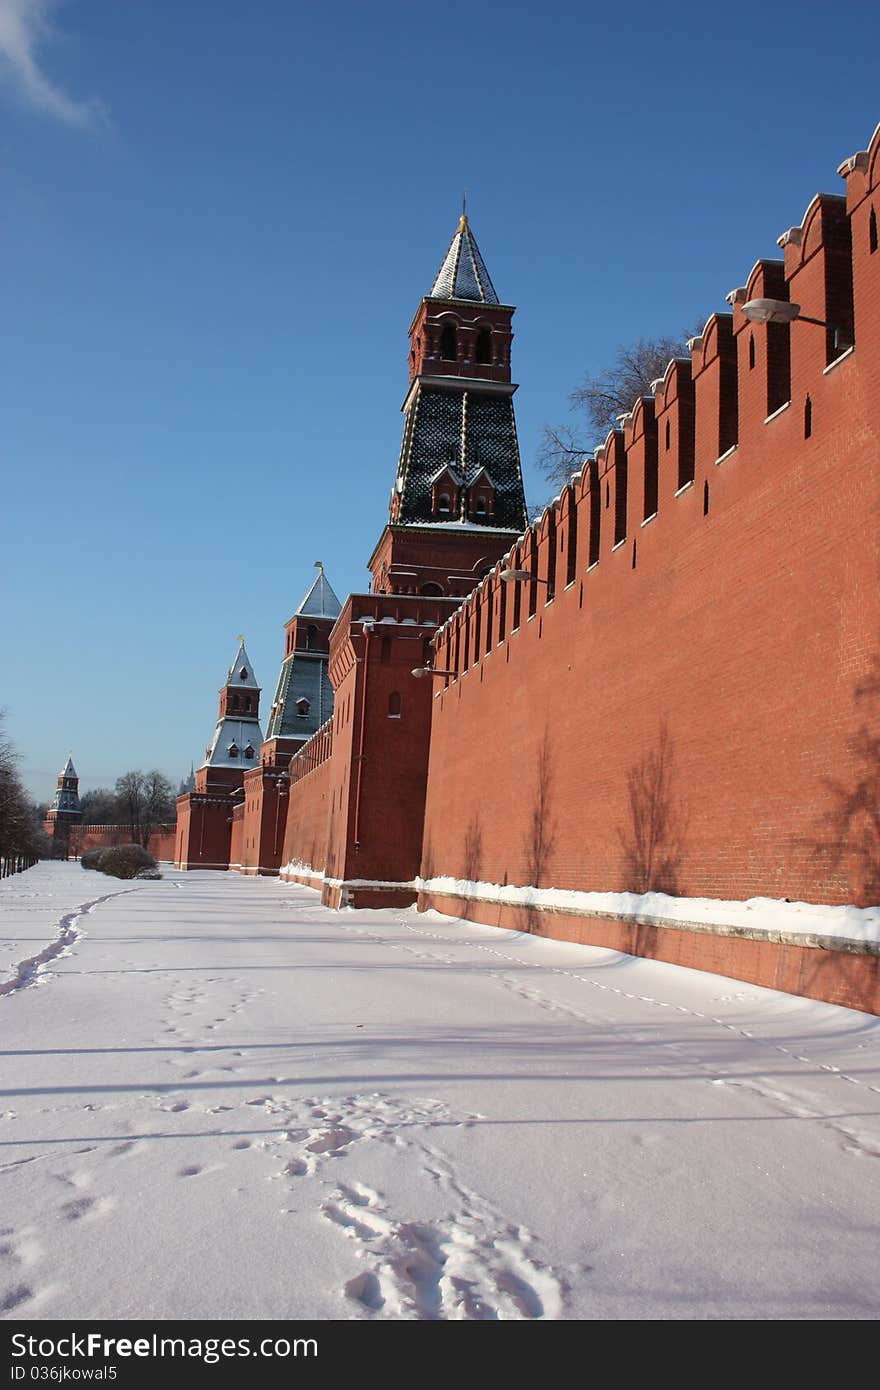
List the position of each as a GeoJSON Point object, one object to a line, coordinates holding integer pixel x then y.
{"type": "Point", "coordinates": [472, 1263]}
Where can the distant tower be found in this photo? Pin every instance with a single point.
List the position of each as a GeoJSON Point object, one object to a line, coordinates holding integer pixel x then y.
{"type": "Point", "coordinates": [235, 745]}
{"type": "Point", "coordinates": [204, 814]}
{"type": "Point", "coordinates": [304, 696]}
{"type": "Point", "coordinates": [65, 811]}
{"type": "Point", "coordinates": [303, 703]}
{"type": "Point", "coordinates": [458, 503]}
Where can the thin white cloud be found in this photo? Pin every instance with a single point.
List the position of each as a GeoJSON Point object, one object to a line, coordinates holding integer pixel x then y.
{"type": "Point", "coordinates": [24, 27]}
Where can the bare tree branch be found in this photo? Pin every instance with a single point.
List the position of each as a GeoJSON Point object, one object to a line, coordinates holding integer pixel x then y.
{"type": "Point", "coordinates": [600, 399]}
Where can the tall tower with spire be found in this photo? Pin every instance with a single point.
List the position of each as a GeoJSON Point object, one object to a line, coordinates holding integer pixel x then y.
{"type": "Point", "coordinates": [65, 811]}
{"type": "Point", "coordinates": [457, 504]}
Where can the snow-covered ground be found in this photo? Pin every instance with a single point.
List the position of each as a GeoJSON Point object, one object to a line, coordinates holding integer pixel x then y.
{"type": "Point", "coordinates": [222, 1100]}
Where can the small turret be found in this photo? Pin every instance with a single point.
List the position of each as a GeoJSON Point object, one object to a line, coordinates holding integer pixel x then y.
{"type": "Point", "coordinates": [237, 737]}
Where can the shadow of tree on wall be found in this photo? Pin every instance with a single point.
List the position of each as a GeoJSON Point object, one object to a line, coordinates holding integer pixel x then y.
{"type": "Point", "coordinates": [540, 836]}
{"type": "Point", "coordinates": [652, 838]}
{"type": "Point", "coordinates": [849, 836]}
{"type": "Point", "coordinates": [426, 868]}
{"type": "Point", "coordinates": [472, 858]}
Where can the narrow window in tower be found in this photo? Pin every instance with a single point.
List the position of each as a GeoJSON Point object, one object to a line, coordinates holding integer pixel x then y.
{"type": "Point", "coordinates": [667, 434]}
{"type": "Point", "coordinates": [311, 636]}
{"type": "Point", "coordinates": [533, 570]}
{"type": "Point", "coordinates": [449, 343]}
{"type": "Point", "coordinates": [872, 231]}
{"type": "Point", "coordinates": [456, 663]}
{"type": "Point", "coordinates": [751, 351]}
{"type": "Point", "coordinates": [808, 418]}
{"type": "Point", "coordinates": [550, 586]}
{"type": "Point", "coordinates": [477, 608]}
{"type": "Point", "coordinates": [385, 653]}
{"type": "Point", "coordinates": [651, 479]}
{"type": "Point", "coordinates": [249, 751]}
{"type": "Point", "coordinates": [706, 498]}
{"type": "Point", "coordinates": [490, 605]}
{"type": "Point", "coordinates": [480, 507]}
{"type": "Point", "coordinates": [394, 705]}
{"type": "Point", "coordinates": [517, 593]}
{"type": "Point", "coordinates": [571, 567]}
{"type": "Point", "coordinates": [232, 750]}
{"type": "Point", "coordinates": [443, 503]}
{"type": "Point", "coordinates": [484, 346]}
{"type": "Point", "coordinates": [778, 366]}
{"type": "Point", "coordinates": [302, 708]}
{"type": "Point", "coordinates": [502, 612]}
{"type": "Point", "coordinates": [620, 501]}
{"type": "Point", "coordinates": [595, 513]}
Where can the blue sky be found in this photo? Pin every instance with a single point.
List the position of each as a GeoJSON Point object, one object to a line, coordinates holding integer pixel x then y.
{"type": "Point", "coordinates": [218, 222]}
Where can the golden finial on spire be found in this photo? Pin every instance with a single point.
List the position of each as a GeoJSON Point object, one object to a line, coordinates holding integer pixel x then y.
{"type": "Point", "coordinates": [240, 637]}
{"type": "Point", "coordinates": [319, 565]}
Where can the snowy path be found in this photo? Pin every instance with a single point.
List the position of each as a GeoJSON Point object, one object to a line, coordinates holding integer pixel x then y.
{"type": "Point", "coordinates": [221, 1100]}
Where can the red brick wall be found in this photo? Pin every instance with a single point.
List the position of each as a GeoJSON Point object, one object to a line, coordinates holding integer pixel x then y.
{"type": "Point", "coordinates": [694, 712]}
{"type": "Point", "coordinates": [308, 811]}
{"type": "Point", "coordinates": [203, 831]}
{"type": "Point", "coordinates": [160, 843]}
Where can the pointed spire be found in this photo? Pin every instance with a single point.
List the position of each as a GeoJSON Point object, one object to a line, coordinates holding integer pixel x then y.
{"type": "Point", "coordinates": [320, 601]}
{"type": "Point", "coordinates": [68, 769]}
{"type": "Point", "coordinates": [463, 274]}
{"type": "Point", "coordinates": [241, 671]}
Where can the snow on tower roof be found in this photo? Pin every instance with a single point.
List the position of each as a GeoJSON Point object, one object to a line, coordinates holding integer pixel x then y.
{"type": "Point", "coordinates": [320, 601]}
{"type": "Point", "coordinates": [463, 274]}
{"type": "Point", "coordinates": [241, 672]}
{"type": "Point", "coordinates": [68, 769]}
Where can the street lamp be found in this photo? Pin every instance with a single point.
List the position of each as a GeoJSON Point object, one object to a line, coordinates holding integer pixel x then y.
{"type": "Point", "coordinates": [525, 576]}
{"type": "Point", "coordinates": [783, 311]}
{"type": "Point", "coordinates": [421, 671]}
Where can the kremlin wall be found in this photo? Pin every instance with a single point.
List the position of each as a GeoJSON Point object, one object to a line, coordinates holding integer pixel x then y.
{"type": "Point", "coordinates": [680, 698]}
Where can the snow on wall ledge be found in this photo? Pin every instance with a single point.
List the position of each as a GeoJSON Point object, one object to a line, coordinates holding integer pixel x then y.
{"type": "Point", "coordinates": [805, 924]}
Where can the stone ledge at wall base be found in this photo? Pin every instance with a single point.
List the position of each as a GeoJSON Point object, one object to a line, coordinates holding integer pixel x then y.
{"type": "Point", "coordinates": [362, 892]}
{"type": "Point", "coordinates": [254, 870]}
{"type": "Point", "coordinates": [350, 892]}
{"type": "Point", "coordinates": [830, 968]}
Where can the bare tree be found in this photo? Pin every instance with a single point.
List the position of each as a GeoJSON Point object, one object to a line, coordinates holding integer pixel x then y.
{"type": "Point", "coordinates": [146, 799]}
{"type": "Point", "coordinates": [159, 806]}
{"type": "Point", "coordinates": [100, 807]}
{"type": "Point", "coordinates": [20, 832]}
{"type": "Point", "coordinates": [600, 399]}
{"type": "Point", "coordinates": [130, 791]}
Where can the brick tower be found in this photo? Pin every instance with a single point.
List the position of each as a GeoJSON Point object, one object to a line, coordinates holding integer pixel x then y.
{"type": "Point", "coordinates": [457, 503]}
{"type": "Point", "coordinates": [304, 695]}
{"type": "Point", "coordinates": [65, 811]}
{"type": "Point", "coordinates": [204, 816]}
{"type": "Point", "coordinates": [357, 790]}
{"type": "Point", "coordinates": [303, 703]}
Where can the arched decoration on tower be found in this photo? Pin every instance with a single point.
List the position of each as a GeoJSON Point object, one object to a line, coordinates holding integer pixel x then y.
{"type": "Point", "coordinates": [449, 342]}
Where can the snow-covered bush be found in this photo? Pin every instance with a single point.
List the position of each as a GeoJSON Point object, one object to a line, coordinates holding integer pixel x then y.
{"type": "Point", "coordinates": [124, 861]}
{"type": "Point", "coordinates": [91, 859]}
